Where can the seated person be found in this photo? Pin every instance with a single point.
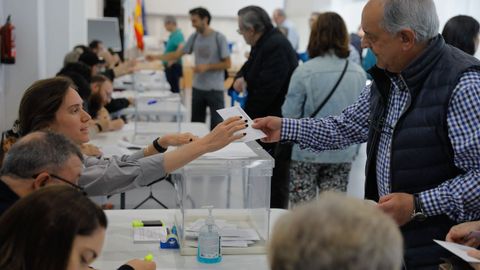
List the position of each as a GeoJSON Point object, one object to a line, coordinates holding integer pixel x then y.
{"type": "Point", "coordinates": [102, 89]}
{"type": "Point", "coordinates": [53, 104]}
{"type": "Point", "coordinates": [336, 232]}
{"type": "Point", "coordinates": [72, 56]}
{"type": "Point", "coordinates": [111, 58]}
{"type": "Point", "coordinates": [37, 160]}
{"type": "Point", "coordinates": [55, 228]}
{"type": "Point", "coordinates": [98, 65]}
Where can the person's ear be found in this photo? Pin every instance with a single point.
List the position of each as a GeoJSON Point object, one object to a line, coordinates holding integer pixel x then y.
{"type": "Point", "coordinates": [407, 38]}
{"type": "Point", "coordinates": [41, 180]}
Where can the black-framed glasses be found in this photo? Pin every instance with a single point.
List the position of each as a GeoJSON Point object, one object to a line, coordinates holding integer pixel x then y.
{"type": "Point", "coordinates": [75, 186]}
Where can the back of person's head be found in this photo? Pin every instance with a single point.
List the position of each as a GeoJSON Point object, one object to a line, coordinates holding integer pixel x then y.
{"type": "Point", "coordinates": [170, 19]}
{"type": "Point", "coordinates": [82, 86]}
{"type": "Point", "coordinates": [202, 13]}
{"type": "Point", "coordinates": [419, 16]}
{"type": "Point", "coordinates": [462, 32]}
{"type": "Point", "coordinates": [40, 102]}
{"type": "Point", "coordinates": [90, 58]}
{"type": "Point", "coordinates": [36, 152]}
{"type": "Point", "coordinates": [72, 57]}
{"type": "Point", "coordinates": [256, 18]}
{"type": "Point", "coordinates": [329, 35]}
{"type": "Point", "coordinates": [80, 68]}
{"type": "Point", "coordinates": [38, 231]}
{"type": "Point", "coordinates": [94, 44]}
{"type": "Point", "coordinates": [336, 232]}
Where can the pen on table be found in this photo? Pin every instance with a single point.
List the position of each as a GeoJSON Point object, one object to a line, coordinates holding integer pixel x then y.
{"type": "Point", "coordinates": [151, 101]}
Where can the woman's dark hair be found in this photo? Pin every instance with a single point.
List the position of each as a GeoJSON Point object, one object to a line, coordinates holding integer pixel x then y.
{"type": "Point", "coordinates": [82, 86]}
{"type": "Point", "coordinates": [39, 230]}
{"type": "Point", "coordinates": [202, 13]}
{"type": "Point", "coordinates": [461, 31]}
{"type": "Point", "coordinates": [80, 68]}
{"type": "Point", "coordinates": [329, 33]}
{"type": "Point", "coordinates": [40, 102]}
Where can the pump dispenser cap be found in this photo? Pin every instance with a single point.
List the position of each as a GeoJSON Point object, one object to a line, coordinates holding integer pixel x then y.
{"type": "Point", "coordinates": [209, 220]}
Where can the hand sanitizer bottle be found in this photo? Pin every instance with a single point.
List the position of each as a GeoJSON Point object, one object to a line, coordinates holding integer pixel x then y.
{"type": "Point", "coordinates": [209, 247]}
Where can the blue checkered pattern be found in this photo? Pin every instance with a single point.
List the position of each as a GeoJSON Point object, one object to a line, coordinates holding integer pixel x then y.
{"type": "Point", "coordinates": [459, 198]}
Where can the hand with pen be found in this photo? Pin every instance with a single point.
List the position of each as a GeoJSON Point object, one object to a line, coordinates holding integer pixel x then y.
{"type": "Point", "coordinates": [468, 234]}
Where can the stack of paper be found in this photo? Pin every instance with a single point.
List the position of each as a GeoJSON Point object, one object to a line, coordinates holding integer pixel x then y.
{"type": "Point", "coordinates": [232, 235]}
{"type": "Point", "coordinates": [149, 234]}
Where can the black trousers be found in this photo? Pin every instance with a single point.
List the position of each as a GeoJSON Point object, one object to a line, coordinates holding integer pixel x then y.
{"type": "Point", "coordinates": [202, 99]}
{"type": "Point", "coordinates": [173, 74]}
{"type": "Point", "coordinates": [279, 187]}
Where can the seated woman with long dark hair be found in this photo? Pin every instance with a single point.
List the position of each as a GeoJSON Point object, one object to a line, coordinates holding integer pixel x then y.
{"type": "Point", "coordinates": [54, 105]}
{"type": "Point", "coordinates": [55, 228]}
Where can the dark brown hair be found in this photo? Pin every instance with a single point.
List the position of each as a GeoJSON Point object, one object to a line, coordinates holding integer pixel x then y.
{"type": "Point", "coordinates": [329, 33]}
{"type": "Point", "coordinates": [39, 230]}
{"type": "Point", "coordinates": [40, 102]}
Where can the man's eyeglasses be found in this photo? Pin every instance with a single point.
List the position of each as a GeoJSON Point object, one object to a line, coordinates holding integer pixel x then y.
{"type": "Point", "coordinates": [75, 186]}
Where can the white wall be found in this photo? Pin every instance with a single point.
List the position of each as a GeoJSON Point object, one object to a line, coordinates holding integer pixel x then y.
{"type": "Point", "coordinates": [45, 30]}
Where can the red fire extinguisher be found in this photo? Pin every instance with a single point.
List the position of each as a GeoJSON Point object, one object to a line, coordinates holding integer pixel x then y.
{"type": "Point", "coordinates": [7, 46]}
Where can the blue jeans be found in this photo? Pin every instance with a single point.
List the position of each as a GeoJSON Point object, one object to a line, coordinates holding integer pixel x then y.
{"type": "Point", "coordinates": [203, 98]}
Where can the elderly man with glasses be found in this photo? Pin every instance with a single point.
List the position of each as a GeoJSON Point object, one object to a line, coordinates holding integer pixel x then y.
{"type": "Point", "coordinates": [36, 160]}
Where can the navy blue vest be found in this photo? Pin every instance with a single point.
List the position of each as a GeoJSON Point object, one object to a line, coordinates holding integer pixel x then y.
{"type": "Point", "coordinates": [421, 153]}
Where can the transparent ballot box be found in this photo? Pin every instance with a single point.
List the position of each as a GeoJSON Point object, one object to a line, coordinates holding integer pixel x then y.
{"type": "Point", "coordinates": [236, 182]}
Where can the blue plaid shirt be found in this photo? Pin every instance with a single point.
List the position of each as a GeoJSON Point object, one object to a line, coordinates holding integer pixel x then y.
{"type": "Point", "coordinates": [459, 198]}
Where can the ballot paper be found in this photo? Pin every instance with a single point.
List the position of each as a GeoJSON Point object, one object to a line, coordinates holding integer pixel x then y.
{"type": "Point", "coordinates": [232, 235]}
{"type": "Point", "coordinates": [234, 150]}
{"type": "Point", "coordinates": [252, 134]}
{"type": "Point", "coordinates": [149, 234]}
{"type": "Point", "coordinates": [459, 250]}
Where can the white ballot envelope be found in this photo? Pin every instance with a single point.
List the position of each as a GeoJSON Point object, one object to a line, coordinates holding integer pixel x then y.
{"type": "Point", "coordinates": [252, 134]}
{"type": "Point", "coordinates": [459, 250]}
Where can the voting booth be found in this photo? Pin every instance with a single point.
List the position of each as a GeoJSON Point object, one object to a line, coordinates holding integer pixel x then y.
{"type": "Point", "coordinates": [243, 216]}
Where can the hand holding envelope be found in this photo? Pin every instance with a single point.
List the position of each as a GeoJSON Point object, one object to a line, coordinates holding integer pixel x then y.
{"type": "Point", "coordinates": [252, 134]}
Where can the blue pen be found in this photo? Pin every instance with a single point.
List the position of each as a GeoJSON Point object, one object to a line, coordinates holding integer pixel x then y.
{"type": "Point", "coordinates": [152, 101]}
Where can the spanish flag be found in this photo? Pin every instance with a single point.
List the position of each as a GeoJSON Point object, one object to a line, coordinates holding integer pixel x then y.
{"type": "Point", "coordinates": [138, 24]}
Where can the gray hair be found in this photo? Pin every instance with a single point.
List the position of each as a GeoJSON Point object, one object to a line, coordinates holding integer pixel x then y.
{"type": "Point", "coordinates": [281, 12]}
{"type": "Point", "coordinates": [256, 18]}
{"type": "Point", "coordinates": [336, 232]}
{"type": "Point", "coordinates": [38, 151]}
{"type": "Point", "coordinates": [418, 15]}
{"type": "Point", "coordinates": [170, 19]}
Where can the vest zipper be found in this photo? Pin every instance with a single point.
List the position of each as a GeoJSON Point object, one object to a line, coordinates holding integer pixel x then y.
{"type": "Point", "coordinates": [407, 106]}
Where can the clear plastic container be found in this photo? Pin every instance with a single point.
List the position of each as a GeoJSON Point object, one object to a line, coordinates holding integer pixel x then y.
{"type": "Point", "coordinates": [236, 182]}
